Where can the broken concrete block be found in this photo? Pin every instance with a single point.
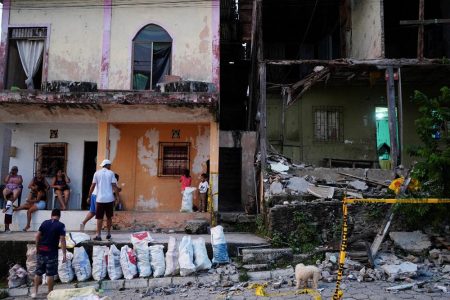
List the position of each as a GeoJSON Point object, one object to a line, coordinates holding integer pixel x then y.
{"type": "Point", "coordinates": [279, 167]}
{"type": "Point", "coordinates": [196, 227]}
{"type": "Point", "coordinates": [276, 188]}
{"type": "Point", "coordinates": [414, 242]}
{"type": "Point", "coordinates": [434, 253]}
{"type": "Point", "coordinates": [321, 191]}
{"type": "Point", "coordinates": [446, 269]}
{"type": "Point", "coordinates": [359, 185]}
{"type": "Point", "coordinates": [298, 184]}
{"type": "Point", "coordinates": [260, 256]}
{"type": "Point", "coordinates": [263, 275]}
{"type": "Point", "coordinates": [405, 268]}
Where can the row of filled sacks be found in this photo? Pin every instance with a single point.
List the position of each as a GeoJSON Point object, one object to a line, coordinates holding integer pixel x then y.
{"type": "Point", "coordinates": [184, 258]}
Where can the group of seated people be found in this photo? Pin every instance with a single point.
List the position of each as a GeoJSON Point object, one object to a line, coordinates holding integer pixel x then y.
{"type": "Point", "coordinates": [39, 187]}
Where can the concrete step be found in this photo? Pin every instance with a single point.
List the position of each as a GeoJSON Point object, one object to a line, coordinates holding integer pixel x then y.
{"type": "Point", "coordinates": [123, 220]}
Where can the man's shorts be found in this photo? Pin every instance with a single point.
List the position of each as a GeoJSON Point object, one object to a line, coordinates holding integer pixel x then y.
{"type": "Point", "coordinates": [47, 264]}
{"type": "Point", "coordinates": [104, 208]}
{"type": "Point", "coordinates": [92, 205]}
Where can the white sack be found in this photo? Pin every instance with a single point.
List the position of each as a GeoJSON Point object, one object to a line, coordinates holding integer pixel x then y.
{"type": "Point", "coordinates": [128, 262]}
{"type": "Point", "coordinates": [81, 264]}
{"type": "Point", "coordinates": [172, 266]}
{"type": "Point", "coordinates": [31, 262]}
{"type": "Point", "coordinates": [219, 244]}
{"type": "Point", "coordinates": [188, 197]}
{"type": "Point", "coordinates": [143, 236]}
{"type": "Point", "coordinates": [65, 270]}
{"type": "Point", "coordinates": [114, 268]}
{"type": "Point", "coordinates": [99, 262]}
{"type": "Point", "coordinates": [17, 276]}
{"type": "Point", "coordinates": [201, 260]}
{"type": "Point", "coordinates": [157, 260]}
{"type": "Point", "coordinates": [143, 259]}
{"type": "Point", "coordinates": [186, 258]}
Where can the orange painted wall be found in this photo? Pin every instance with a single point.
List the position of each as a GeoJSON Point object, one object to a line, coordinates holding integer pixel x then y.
{"type": "Point", "coordinates": [136, 161]}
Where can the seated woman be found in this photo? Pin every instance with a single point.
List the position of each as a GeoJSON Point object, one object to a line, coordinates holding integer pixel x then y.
{"type": "Point", "coordinates": [13, 184]}
{"type": "Point", "coordinates": [37, 199]}
{"type": "Point", "coordinates": [60, 184]}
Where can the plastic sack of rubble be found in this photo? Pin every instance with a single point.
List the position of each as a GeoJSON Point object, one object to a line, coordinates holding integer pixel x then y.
{"type": "Point", "coordinates": [220, 249]}
{"type": "Point", "coordinates": [74, 238]}
{"type": "Point", "coordinates": [65, 270]}
{"type": "Point", "coordinates": [186, 259]}
{"type": "Point", "coordinates": [31, 262]}
{"type": "Point", "coordinates": [17, 276]}
{"type": "Point", "coordinates": [85, 293]}
{"type": "Point", "coordinates": [114, 268]}
{"type": "Point", "coordinates": [172, 266]}
{"type": "Point", "coordinates": [201, 259]}
{"type": "Point", "coordinates": [128, 262]}
{"type": "Point", "coordinates": [188, 197]}
{"type": "Point", "coordinates": [99, 262]}
{"type": "Point", "coordinates": [81, 264]}
{"type": "Point", "coordinates": [157, 260]}
{"type": "Point", "coordinates": [143, 236]}
{"type": "Point", "coordinates": [143, 259]}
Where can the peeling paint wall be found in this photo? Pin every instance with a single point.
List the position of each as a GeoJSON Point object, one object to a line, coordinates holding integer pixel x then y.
{"type": "Point", "coordinates": [136, 161]}
{"type": "Point", "coordinates": [189, 25]}
{"type": "Point", "coordinates": [75, 37]}
{"type": "Point", "coordinates": [24, 136]}
{"type": "Point", "coordinates": [366, 29]}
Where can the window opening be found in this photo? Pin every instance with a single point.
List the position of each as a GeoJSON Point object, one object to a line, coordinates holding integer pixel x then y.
{"type": "Point", "coordinates": [173, 159]}
{"type": "Point", "coordinates": [50, 157]}
{"type": "Point", "coordinates": [328, 124]}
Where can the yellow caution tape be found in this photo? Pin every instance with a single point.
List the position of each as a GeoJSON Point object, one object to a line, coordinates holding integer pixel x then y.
{"type": "Point", "coordinates": [338, 293]}
{"type": "Point", "coordinates": [260, 290]}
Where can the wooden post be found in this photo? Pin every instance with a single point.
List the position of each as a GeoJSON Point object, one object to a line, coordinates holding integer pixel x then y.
{"type": "Point", "coordinates": [263, 116]}
{"type": "Point", "coordinates": [400, 115]}
{"type": "Point", "coordinates": [392, 116]}
{"type": "Point", "coordinates": [283, 119]}
{"type": "Point", "coordinates": [421, 29]}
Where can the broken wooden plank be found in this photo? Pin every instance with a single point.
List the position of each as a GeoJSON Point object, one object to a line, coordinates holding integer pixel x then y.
{"type": "Point", "coordinates": [425, 22]}
{"type": "Point", "coordinates": [364, 179]}
{"type": "Point", "coordinates": [345, 62]}
{"type": "Point", "coordinates": [382, 234]}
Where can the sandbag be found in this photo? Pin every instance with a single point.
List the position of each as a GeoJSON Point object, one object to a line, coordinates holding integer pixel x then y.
{"type": "Point", "coordinates": [172, 266]}
{"type": "Point", "coordinates": [201, 259]}
{"type": "Point", "coordinates": [220, 249]}
{"type": "Point", "coordinates": [31, 262]}
{"type": "Point", "coordinates": [17, 276]}
{"type": "Point", "coordinates": [143, 236]}
{"type": "Point", "coordinates": [114, 268]}
{"type": "Point", "coordinates": [187, 200]}
{"type": "Point", "coordinates": [186, 257]}
{"type": "Point", "coordinates": [157, 260]}
{"type": "Point", "coordinates": [128, 262]}
{"type": "Point", "coordinates": [65, 270]}
{"type": "Point", "coordinates": [81, 264]}
{"type": "Point", "coordinates": [74, 238]}
{"type": "Point", "coordinates": [85, 293]}
{"type": "Point", "coordinates": [143, 259]}
{"type": "Point", "coordinates": [99, 262]}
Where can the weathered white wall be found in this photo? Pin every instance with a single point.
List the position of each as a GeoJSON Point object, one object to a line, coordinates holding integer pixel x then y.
{"type": "Point", "coordinates": [189, 25]}
{"type": "Point", "coordinates": [5, 139]}
{"type": "Point", "coordinates": [366, 29]}
{"type": "Point", "coordinates": [24, 136]}
{"type": "Point", "coordinates": [75, 37]}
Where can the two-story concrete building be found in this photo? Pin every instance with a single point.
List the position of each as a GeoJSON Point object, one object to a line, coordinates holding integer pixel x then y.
{"type": "Point", "coordinates": [133, 81]}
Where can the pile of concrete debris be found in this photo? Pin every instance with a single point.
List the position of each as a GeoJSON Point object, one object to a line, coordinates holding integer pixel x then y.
{"type": "Point", "coordinates": [309, 183]}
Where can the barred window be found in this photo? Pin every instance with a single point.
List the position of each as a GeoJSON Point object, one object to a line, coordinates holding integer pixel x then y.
{"type": "Point", "coordinates": [328, 124]}
{"type": "Point", "coordinates": [173, 159]}
{"type": "Point", "coordinates": [49, 158]}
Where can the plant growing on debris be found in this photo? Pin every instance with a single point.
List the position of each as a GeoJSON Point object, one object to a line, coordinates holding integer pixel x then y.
{"type": "Point", "coordinates": [433, 154]}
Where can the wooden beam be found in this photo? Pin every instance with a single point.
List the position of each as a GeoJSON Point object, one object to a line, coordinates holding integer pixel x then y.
{"type": "Point", "coordinates": [400, 115]}
{"type": "Point", "coordinates": [263, 116]}
{"type": "Point", "coordinates": [421, 30]}
{"type": "Point", "coordinates": [425, 22]}
{"type": "Point", "coordinates": [392, 116]}
{"type": "Point", "coordinates": [356, 62]}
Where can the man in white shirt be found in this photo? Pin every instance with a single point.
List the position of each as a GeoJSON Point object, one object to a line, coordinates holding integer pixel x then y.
{"type": "Point", "coordinates": [106, 184]}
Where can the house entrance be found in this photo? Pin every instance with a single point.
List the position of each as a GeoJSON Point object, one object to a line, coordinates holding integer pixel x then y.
{"type": "Point", "coordinates": [89, 168]}
{"type": "Point", "coordinates": [230, 179]}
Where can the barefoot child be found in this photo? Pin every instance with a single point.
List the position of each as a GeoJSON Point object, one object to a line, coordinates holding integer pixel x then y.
{"type": "Point", "coordinates": [8, 211]}
{"type": "Point", "coordinates": [203, 192]}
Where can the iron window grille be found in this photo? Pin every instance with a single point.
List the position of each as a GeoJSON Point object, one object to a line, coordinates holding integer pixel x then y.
{"type": "Point", "coordinates": [173, 159]}
{"type": "Point", "coordinates": [328, 124]}
{"type": "Point", "coordinates": [49, 158]}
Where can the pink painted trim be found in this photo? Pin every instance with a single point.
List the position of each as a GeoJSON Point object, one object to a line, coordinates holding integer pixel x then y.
{"type": "Point", "coordinates": [4, 43]}
{"type": "Point", "coordinates": [106, 47]}
{"type": "Point", "coordinates": [215, 4]}
{"type": "Point", "coordinates": [47, 44]}
{"type": "Point", "coordinates": [167, 28]}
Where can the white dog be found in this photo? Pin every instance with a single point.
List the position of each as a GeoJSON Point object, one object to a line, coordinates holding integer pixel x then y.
{"type": "Point", "coordinates": [304, 273]}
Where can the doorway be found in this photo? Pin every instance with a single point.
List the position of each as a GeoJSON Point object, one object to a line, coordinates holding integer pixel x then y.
{"type": "Point", "coordinates": [230, 164]}
{"type": "Point", "coordinates": [89, 168]}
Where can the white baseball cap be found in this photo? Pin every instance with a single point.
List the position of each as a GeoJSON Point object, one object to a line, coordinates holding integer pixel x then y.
{"type": "Point", "coordinates": [105, 162]}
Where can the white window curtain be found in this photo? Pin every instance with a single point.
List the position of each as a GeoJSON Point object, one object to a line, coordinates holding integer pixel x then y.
{"type": "Point", "coordinates": [30, 53]}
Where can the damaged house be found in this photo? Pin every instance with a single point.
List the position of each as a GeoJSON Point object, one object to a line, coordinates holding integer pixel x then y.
{"type": "Point", "coordinates": [136, 82]}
